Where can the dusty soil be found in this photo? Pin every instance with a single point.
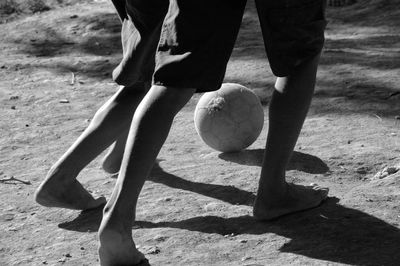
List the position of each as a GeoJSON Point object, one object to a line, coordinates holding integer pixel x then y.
{"type": "Point", "coordinates": [195, 209]}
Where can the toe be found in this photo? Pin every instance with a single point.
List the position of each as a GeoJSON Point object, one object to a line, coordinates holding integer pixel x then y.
{"type": "Point", "coordinates": [323, 192]}
{"type": "Point", "coordinates": [96, 203]}
{"type": "Point", "coordinates": [318, 188]}
{"type": "Point", "coordinates": [143, 262]}
{"type": "Point", "coordinates": [101, 200]}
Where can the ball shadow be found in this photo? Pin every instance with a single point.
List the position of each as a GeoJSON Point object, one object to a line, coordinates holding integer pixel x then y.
{"type": "Point", "coordinates": [299, 161]}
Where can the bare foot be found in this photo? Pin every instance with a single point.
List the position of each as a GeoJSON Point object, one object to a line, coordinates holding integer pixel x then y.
{"type": "Point", "coordinates": [69, 194]}
{"type": "Point", "coordinates": [112, 160]}
{"type": "Point", "coordinates": [296, 198]}
{"type": "Point", "coordinates": [117, 247]}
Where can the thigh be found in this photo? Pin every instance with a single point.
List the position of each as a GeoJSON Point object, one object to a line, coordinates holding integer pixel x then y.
{"type": "Point", "coordinates": [146, 14]}
{"type": "Point", "coordinates": [196, 42]}
{"type": "Point", "coordinates": [141, 26]}
{"type": "Point", "coordinates": [293, 31]}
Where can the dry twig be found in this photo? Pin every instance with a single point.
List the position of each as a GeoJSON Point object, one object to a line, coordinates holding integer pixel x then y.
{"type": "Point", "coordinates": [72, 78]}
{"type": "Point", "coordinates": [12, 178]}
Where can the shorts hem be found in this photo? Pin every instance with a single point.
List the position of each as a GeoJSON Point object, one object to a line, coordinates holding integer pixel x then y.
{"type": "Point", "coordinates": [199, 88]}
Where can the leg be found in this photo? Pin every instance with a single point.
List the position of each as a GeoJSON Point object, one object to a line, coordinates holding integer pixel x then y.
{"type": "Point", "coordinates": [149, 129]}
{"type": "Point", "coordinates": [140, 34]}
{"type": "Point", "coordinates": [60, 188]}
{"type": "Point", "coordinates": [288, 109]}
{"type": "Point", "coordinates": [112, 160]}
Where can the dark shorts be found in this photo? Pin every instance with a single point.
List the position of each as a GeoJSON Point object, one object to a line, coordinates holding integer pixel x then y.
{"type": "Point", "coordinates": [187, 43]}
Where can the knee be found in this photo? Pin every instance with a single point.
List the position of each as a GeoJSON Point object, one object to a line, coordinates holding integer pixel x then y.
{"type": "Point", "coordinates": [302, 77]}
{"type": "Point", "coordinates": [281, 84]}
{"type": "Point", "coordinates": [167, 100]}
{"type": "Point", "coordinates": [126, 94]}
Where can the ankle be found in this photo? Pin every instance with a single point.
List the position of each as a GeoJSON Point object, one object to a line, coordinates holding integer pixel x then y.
{"type": "Point", "coordinates": [116, 220]}
{"type": "Point", "coordinates": [61, 173]}
{"type": "Point", "coordinates": [272, 190]}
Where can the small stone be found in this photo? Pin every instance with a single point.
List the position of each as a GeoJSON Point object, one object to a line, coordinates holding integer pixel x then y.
{"type": "Point", "coordinates": [349, 141]}
{"type": "Point", "coordinates": [67, 255]}
{"type": "Point", "coordinates": [7, 217]}
{"type": "Point", "coordinates": [13, 107]}
{"type": "Point", "coordinates": [243, 241]}
{"type": "Point", "coordinates": [82, 248]}
{"type": "Point", "coordinates": [361, 170]}
{"type": "Point", "coordinates": [151, 250]}
{"type": "Point", "coordinates": [167, 199]}
{"type": "Point", "coordinates": [3, 67]}
{"type": "Point", "coordinates": [393, 134]}
{"type": "Point", "coordinates": [389, 170]}
{"type": "Point", "coordinates": [74, 16]}
{"type": "Point", "coordinates": [160, 238]}
{"type": "Point", "coordinates": [213, 206]}
{"type": "Point", "coordinates": [397, 117]}
{"type": "Point", "coordinates": [62, 260]}
{"type": "Point", "coordinates": [246, 258]}
{"type": "Point", "coordinates": [14, 97]}
{"type": "Point", "coordinates": [64, 101]}
{"type": "Point", "coordinates": [392, 170]}
{"type": "Point", "coordinates": [44, 262]}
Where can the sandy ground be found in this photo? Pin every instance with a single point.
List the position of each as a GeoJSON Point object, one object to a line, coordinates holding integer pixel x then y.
{"type": "Point", "coordinates": [195, 209]}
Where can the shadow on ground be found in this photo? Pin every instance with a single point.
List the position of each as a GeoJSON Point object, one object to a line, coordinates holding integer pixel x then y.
{"type": "Point", "coordinates": [90, 220]}
{"type": "Point", "coordinates": [299, 161]}
{"type": "Point", "coordinates": [358, 97]}
{"type": "Point", "coordinates": [331, 232]}
{"type": "Point", "coordinates": [96, 34]}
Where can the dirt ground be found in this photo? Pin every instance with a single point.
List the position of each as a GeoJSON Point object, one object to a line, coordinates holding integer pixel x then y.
{"type": "Point", "coordinates": [195, 209]}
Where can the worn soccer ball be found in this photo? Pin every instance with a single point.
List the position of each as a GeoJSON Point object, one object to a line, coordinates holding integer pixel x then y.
{"type": "Point", "coordinates": [229, 119]}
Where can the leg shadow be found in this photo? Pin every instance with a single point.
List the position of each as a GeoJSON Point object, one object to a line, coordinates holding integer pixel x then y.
{"type": "Point", "coordinates": [86, 221]}
{"type": "Point", "coordinates": [229, 194]}
{"type": "Point", "coordinates": [299, 161]}
{"type": "Point", "coordinates": [331, 232]}
{"type": "Point", "coordinates": [89, 221]}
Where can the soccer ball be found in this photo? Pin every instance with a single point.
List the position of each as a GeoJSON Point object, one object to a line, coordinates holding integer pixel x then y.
{"type": "Point", "coordinates": [229, 119]}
